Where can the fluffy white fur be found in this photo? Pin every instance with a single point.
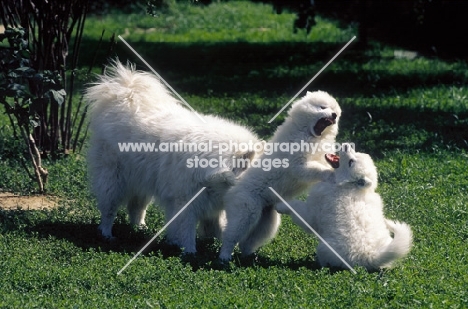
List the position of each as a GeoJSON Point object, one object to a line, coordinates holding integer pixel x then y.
{"type": "Point", "coordinates": [251, 217]}
{"type": "Point", "coordinates": [349, 216]}
{"type": "Point", "coordinates": [132, 106]}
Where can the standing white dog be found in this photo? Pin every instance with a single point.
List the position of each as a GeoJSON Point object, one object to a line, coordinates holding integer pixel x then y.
{"type": "Point", "coordinates": [348, 215]}
{"type": "Point", "coordinates": [251, 217]}
{"type": "Point", "coordinates": [128, 106]}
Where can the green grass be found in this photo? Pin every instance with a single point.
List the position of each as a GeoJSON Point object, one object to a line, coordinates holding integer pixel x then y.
{"type": "Point", "coordinates": [220, 22]}
{"type": "Point", "coordinates": [411, 116]}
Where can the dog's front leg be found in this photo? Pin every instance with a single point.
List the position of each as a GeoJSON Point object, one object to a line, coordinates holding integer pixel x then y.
{"type": "Point", "coordinates": [284, 209]}
{"type": "Point", "coordinates": [314, 171]}
{"type": "Point", "coordinates": [299, 211]}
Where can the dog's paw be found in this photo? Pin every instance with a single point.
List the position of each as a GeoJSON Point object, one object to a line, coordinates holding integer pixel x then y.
{"type": "Point", "coordinates": [225, 177]}
{"type": "Point", "coordinates": [222, 265]}
{"type": "Point", "coordinates": [111, 240]}
{"type": "Point", "coordinates": [229, 178]}
{"type": "Point", "coordinates": [225, 257]}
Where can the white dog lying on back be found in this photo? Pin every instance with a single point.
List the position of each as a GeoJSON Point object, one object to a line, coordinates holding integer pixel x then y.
{"type": "Point", "coordinates": [349, 216]}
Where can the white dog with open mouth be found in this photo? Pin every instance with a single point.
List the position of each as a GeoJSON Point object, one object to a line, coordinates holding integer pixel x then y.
{"type": "Point", "coordinates": [128, 106]}
{"type": "Point", "coordinates": [251, 217]}
{"type": "Point", "coordinates": [348, 215]}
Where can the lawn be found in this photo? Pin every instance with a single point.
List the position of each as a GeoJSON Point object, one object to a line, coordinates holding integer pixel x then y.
{"type": "Point", "coordinates": [242, 61]}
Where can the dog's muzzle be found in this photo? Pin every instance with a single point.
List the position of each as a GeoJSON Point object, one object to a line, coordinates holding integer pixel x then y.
{"type": "Point", "coordinates": [323, 123]}
{"type": "Point", "coordinates": [333, 160]}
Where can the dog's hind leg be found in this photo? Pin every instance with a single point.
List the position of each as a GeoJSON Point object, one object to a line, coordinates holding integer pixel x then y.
{"type": "Point", "coordinates": [108, 214]}
{"type": "Point", "coordinates": [136, 207]}
{"type": "Point", "coordinates": [109, 190]}
{"type": "Point", "coordinates": [212, 227]}
{"type": "Point", "coordinates": [182, 230]}
{"type": "Point", "coordinates": [264, 231]}
{"type": "Point", "coordinates": [242, 215]}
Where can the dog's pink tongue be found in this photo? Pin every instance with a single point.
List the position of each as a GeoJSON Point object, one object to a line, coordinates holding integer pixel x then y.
{"type": "Point", "coordinates": [333, 160]}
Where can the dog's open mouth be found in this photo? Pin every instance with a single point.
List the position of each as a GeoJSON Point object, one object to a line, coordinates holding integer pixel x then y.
{"type": "Point", "coordinates": [322, 124]}
{"type": "Point", "coordinates": [333, 160]}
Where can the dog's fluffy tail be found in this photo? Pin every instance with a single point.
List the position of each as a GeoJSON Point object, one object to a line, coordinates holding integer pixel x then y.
{"type": "Point", "coordinates": [398, 248]}
{"type": "Point", "coordinates": [122, 89]}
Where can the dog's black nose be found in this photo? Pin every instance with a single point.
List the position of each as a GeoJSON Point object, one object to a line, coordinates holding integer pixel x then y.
{"type": "Point", "coordinates": [334, 116]}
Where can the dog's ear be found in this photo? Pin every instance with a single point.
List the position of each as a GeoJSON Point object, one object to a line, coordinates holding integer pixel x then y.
{"type": "Point", "coordinates": [348, 148]}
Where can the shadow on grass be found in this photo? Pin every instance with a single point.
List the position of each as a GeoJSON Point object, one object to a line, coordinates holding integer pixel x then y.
{"type": "Point", "coordinates": [131, 241]}
{"type": "Point", "coordinates": [237, 72]}
{"type": "Point", "coordinates": [49, 223]}
{"type": "Point", "coordinates": [216, 69]}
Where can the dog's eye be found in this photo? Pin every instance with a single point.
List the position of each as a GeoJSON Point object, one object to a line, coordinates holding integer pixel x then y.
{"type": "Point", "coordinates": [351, 162]}
{"type": "Point", "coordinates": [323, 107]}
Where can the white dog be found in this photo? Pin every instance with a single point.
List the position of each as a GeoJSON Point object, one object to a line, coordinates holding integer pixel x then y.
{"type": "Point", "coordinates": [348, 215]}
{"type": "Point", "coordinates": [128, 106]}
{"type": "Point", "coordinates": [251, 217]}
